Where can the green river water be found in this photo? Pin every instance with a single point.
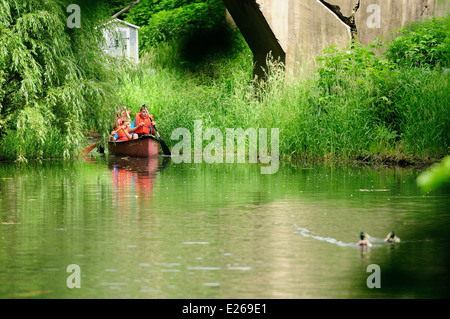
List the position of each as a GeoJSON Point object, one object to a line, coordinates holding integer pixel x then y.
{"type": "Point", "coordinates": [148, 228]}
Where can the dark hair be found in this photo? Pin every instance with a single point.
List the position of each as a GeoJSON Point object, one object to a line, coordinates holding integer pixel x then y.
{"type": "Point", "coordinates": [143, 107]}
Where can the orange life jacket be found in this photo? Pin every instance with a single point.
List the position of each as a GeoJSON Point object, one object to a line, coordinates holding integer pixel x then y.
{"type": "Point", "coordinates": [121, 136]}
{"type": "Point", "coordinates": [147, 128]}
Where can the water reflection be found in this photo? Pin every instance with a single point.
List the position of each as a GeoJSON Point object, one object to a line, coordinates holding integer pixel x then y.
{"type": "Point", "coordinates": [133, 178]}
{"type": "Point", "coordinates": [148, 228]}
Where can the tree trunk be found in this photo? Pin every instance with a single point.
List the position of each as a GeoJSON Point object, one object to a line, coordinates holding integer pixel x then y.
{"type": "Point", "coordinates": [126, 9]}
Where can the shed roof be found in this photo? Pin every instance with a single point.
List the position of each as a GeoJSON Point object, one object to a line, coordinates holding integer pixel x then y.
{"type": "Point", "coordinates": [127, 23]}
{"type": "Point", "coordinates": [122, 22]}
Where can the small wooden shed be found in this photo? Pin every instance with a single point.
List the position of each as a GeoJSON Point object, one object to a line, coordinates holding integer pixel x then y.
{"type": "Point", "coordinates": [121, 39]}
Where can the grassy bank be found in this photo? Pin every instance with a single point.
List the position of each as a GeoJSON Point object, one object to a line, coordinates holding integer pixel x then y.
{"type": "Point", "coordinates": [355, 106]}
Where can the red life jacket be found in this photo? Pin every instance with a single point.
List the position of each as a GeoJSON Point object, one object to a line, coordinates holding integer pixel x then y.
{"type": "Point", "coordinates": [147, 128]}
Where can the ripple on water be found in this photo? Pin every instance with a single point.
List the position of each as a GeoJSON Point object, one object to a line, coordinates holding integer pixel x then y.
{"type": "Point", "coordinates": [308, 234]}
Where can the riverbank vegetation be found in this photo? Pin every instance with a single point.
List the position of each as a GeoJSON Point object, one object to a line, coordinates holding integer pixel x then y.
{"type": "Point", "coordinates": [55, 81]}
{"type": "Point", "coordinates": [345, 105]}
{"type": "Point", "coordinates": [355, 105]}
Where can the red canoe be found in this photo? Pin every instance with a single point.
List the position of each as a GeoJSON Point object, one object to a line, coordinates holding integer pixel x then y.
{"type": "Point", "coordinates": [145, 146]}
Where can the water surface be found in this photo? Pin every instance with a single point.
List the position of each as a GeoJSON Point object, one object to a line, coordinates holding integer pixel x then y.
{"type": "Point", "coordinates": [148, 228]}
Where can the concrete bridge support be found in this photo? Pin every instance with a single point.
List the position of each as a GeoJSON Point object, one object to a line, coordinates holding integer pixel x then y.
{"type": "Point", "coordinates": [304, 28]}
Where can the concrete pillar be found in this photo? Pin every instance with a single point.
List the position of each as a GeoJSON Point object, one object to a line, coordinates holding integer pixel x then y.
{"type": "Point", "coordinates": [304, 28]}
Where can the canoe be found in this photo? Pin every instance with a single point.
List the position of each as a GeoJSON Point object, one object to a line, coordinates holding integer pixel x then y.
{"type": "Point", "coordinates": [145, 146]}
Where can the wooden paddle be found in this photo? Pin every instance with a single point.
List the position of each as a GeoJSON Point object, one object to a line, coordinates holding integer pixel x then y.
{"type": "Point", "coordinates": [164, 147]}
{"type": "Point", "coordinates": [86, 150]}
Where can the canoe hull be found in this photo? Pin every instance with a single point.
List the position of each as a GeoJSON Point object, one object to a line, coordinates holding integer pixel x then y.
{"type": "Point", "coordinates": [146, 146]}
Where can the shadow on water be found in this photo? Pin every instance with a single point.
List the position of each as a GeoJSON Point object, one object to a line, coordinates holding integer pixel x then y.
{"type": "Point", "coordinates": [423, 274]}
{"type": "Point", "coordinates": [418, 266]}
{"type": "Point", "coordinates": [403, 274]}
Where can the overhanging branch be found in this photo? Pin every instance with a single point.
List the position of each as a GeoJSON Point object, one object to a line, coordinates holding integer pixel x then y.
{"type": "Point", "coordinates": [125, 9]}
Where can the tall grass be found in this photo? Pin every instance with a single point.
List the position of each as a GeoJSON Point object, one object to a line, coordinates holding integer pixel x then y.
{"type": "Point", "coordinates": [368, 109]}
{"type": "Point", "coordinates": [354, 105]}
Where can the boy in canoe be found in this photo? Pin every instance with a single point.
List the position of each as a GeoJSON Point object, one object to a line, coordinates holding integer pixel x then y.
{"type": "Point", "coordinates": [121, 132]}
{"type": "Point", "coordinates": [143, 124]}
{"type": "Point", "coordinates": [120, 118]}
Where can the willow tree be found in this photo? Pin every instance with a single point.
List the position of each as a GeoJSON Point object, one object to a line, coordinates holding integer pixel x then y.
{"type": "Point", "coordinates": [55, 81]}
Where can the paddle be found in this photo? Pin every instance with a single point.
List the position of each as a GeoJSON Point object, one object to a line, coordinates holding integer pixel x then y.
{"type": "Point", "coordinates": [164, 147]}
{"type": "Point", "coordinates": [86, 150]}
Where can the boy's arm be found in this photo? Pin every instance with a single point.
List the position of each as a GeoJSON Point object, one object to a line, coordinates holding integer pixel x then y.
{"type": "Point", "coordinates": [127, 134]}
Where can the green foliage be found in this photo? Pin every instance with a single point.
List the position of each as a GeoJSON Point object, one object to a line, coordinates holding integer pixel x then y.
{"type": "Point", "coordinates": [313, 125]}
{"type": "Point", "coordinates": [422, 100]}
{"type": "Point", "coordinates": [167, 20]}
{"type": "Point", "coordinates": [436, 176]}
{"type": "Point", "coordinates": [55, 82]}
{"type": "Point", "coordinates": [358, 70]}
{"type": "Point", "coordinates": [189, 34]}
{"type": "Point", "coordinates": [177, 97]}
{"type": "Point", "coordinates": [204, 60]}
{"type": "Point", "coordinates": [422, 44]}
{"type": "Point", "coordinates": [115, 6]}
{"type": "Point", "coordinates": [358, 105]}
{"type": "Point", "coordinates": [405, 104]}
